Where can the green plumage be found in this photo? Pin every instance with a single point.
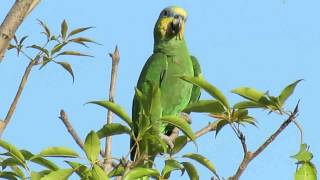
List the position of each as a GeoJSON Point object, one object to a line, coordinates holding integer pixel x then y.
{"type": "Point", "coordinates": [169, 61]}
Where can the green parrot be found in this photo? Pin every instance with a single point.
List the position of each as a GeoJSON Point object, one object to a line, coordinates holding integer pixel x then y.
{"type": "Point", "coordinates": [169, 61]}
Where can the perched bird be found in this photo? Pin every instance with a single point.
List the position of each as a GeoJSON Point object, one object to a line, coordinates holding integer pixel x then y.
{"type": "Point", "coordinates": [169, 61]}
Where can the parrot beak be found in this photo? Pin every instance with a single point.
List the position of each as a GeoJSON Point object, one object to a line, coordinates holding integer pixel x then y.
{"type": "Point", "coordinates": [176, 25]}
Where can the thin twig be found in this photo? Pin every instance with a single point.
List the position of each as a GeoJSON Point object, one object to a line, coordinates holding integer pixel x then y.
{"type": "Point", "coordinates": [73, 133]}
{"type": "Point", "coordinates": [65, 120]}
{"type": "Point", "coordinates": [115, 61]}
{"type": "Point", "coordinates": [6, 121]}
{"type": "Point", "coordinates": [249, 156]}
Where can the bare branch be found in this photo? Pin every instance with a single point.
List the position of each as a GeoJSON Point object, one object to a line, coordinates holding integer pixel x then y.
{"type": "Point", "coordinates": [115, 56]}
{"type": "Point", "coordinates": [249, 156]}
{"type": "Point", "coordinates": [13, 20]}
{"type": "Point", "coordinates": [73, 133]}
{"type": "Point", "coordinates": [15, 101]}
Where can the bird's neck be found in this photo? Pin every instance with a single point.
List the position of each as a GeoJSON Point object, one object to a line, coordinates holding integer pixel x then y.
{"type": "Point", "coordinates": [170, 47]}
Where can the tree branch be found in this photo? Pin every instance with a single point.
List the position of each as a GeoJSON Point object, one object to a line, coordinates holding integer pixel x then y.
{"type": "Point", "coordinates": [63, 116]}
{"type": "Point", "coordinates": [249, 156]}
{"type": "Point", "coordinates": [6, 121]}
{"type": "Point", "coordinates": [115, 57]}
{"type": "Point", "coordinates": [13, 20]}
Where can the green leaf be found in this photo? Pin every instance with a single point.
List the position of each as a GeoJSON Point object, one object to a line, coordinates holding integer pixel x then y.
{"type": "Point", "coordinates": [140, 172]}
{"type": "Point", "coordinates": [181, 124]}
{"type": "Point", "coordinates": [43, 50]}
{"type": "Point", "coordinates": [46, 29]}
{"type": "Point", "coordinates": [57, 152]}
{"type": "Point", "coordinates": [13, 151]}
{"type": "Point", "coordinates": [92, 146]}
{"type": "Point", "coordinates": [179, 143]}
{"type": "Point", "coordinates": [10, 162]}
{"type": "Point", "coordinates": [64, 29]}
{"type": "Point", "coordinates": [306, 171]}
{"type": "Point", "coordinates": [211, 106]}
{"type": "Point", "coordinates": [23, 39]}
{"type": "Point", "coordinates": [57, 48]}
{"type": "Point", "coordinates": [8, 175]}
{"type": "Point", "coordinates": [220, 125]}
{"type": "Point", "coordinates": [212, 90]}
{"type": "Point", "coordinates": [113, 129]}
{"type": "Point", "coordinates": [98, 173]}
{"type": "Point", "coordinates": [73, 53]}
{"type": "Point", "coordinates": [80, 169]}
{"type": "Point", "coordinates": [191, 170]}
{"type": "Point", "coordinates": [39, 160]}
{"type": "Point", "coordinates": [35, 176]}
{"type": "Point", "coordinates": [287, 91]}
{"type": "Point", "coordinates": [303, 155]}
{"type": "Point", "coordinates": [82, 40]}
{"type": "Point", "coordinates": [18, 171]}
{"type": "Point", "coordinates": [170, 165]}
{"type": "Point", "coordinates": [252, 94]}
{"type": "Point", "coordinates": [247, 104]}
{"type": "Point", "coordinates": [67, 67]}
{"type": "Point", "coordinates": [202, 160]}
{"type": "Point", "coordinates": [118, 110]}
{"type": "Point", "coordinates": [117, 171]}
{"type": "Point", "coordinates": [61, 174]}
{"type": "Point", "coordinates": [79, 30]}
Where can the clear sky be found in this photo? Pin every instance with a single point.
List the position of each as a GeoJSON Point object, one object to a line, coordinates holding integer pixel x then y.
{"type": "Point", "coordinates": [262, 44]}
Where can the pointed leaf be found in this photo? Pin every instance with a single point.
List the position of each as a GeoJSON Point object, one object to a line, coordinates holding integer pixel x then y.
{"type": "Point", "coordinates": [13, 151]}
{"type": "Point", "coordinates": [247, 104]}
{"type": "Point", "coordinates": [287, 91]}
{"type": "Point", "coordinates": [46, 29]}
{"type": "Point", "coordinates": [212, 106]}
{"type": "Point", "coordinates": [67, 67]}
{"type": "Point", "coordinates": [80, 169]}
{"type": "Point", "coordinates": [118, 110]}
{"type": "Point", "coordinates": [39, 160]}
{"type": "Point", "coordinates": [140, 172]}
{"type": "Point", "coordinates": [92, 146]}
{"type": "Point", "coordinates": [73, 53]}
{"type": "Point", "coordinates": [64, 29]}
{"type": "Point", "coordinates": [43, 50]}
{"type": "Point", "coordinates": [202, 160]}
{"type": "Point", "coordinates": [83, 40]}
{"type": "Point", "coordinates": [79, 30]}
{"type": "Point", "coordinates": [191, 170]}
{"type": "Point", "coordinates": [8, 175]}
{"type": "Point", "coordinates": [181, 124]}
{"type": "Point", "coordinates": [57, 48]}
{"type": "Point", "coordinates": [113, 129]}
{"type": "Point", "coordinates": [212, 90]}
{"type": "Point", "coordinates": [252, 94]}
{"type": "Point", "coordinates": [220, 125]}
{"type": "Point", "coordinates": [306, 171]}
{"type": "Point", "coordinates": [22, 39]}
{"type": "Point", "coordinates": [57, 152]}
{"type": "Point", "coordinates": [98, 173]}
{"type": "Point", "coordinates": [179, 143]}
{"type": "Point", "coordinates": [61, 174]}
{"type": "Point", "coordinates": [117, 171]}
{"type": "Point", "coordinates": [170, 165]}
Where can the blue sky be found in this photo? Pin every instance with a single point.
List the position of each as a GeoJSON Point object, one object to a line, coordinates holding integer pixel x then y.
{"type": "Point", "coordinates": [265, 45]}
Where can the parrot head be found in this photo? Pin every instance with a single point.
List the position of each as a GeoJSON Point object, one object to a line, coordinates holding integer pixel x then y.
{"type": "Point", "coordinates": [170, 24]}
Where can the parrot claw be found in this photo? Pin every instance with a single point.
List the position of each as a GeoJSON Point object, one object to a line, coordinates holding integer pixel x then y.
{"type": "Point", "coordinates": [167, 140]}
{"type": "Point", "coordinates": [186, 116]}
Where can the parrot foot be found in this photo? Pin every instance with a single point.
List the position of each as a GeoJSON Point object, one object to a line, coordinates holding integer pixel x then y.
{"type": "Point", "coordinates": [186, 116]}
{"type": "Point", "coordinates": [168, 140]}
